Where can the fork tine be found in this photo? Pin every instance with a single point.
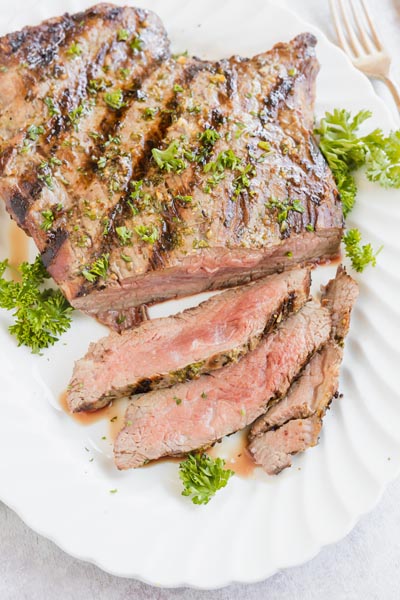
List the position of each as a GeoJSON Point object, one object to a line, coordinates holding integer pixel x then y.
{"type": "Point", "coordinates": [354, 43]}
{"type": "Point", "coordinates": [374, 33]}
{"type": "Point", "coordinates": [364, 38]}
{"type": "Point", "coordinates": [339, 29]}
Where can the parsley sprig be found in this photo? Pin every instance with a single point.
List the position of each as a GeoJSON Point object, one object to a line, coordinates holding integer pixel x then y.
{"type": "Point", "coordinates": [346, 152]}
{"type": "Point", "coordinates": [202, 476]}
{"type": "Point", "coordinates": [360, 256]}
{"type": "Point", "coordinates": [40, 315]}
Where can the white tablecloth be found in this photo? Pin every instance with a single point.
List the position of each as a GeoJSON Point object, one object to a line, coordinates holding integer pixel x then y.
{"type": "Point", "coordinates": [365, 565]}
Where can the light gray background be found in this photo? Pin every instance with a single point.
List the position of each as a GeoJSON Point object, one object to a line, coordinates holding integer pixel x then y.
{"type": "Point", "coordinates": [365, 565]}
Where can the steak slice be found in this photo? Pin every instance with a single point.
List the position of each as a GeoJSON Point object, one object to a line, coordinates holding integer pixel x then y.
{"type": "Point", "coordinates": [310, 394]}
{"type": "Point", "coordinates": [274, 448]}
{"type": "Point", "coordinates": [165, 351]}
{"type": "Point", "coordinates": [84, 99]}
{"type": "Point", "coordinates": [197, 413]}
{"type": "Point", "coordinates": [293, 424]}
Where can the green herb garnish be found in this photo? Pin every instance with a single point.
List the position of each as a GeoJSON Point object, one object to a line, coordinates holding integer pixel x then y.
{"type": "Point", "coordinates": [283, 208]}
{"type": "Point", "coordinates": [147, 233]}
{"type": "Point", "coordinates": [124, 235]}
{"type": "Point", "coordinates": [136, 44]}
{"type": "Point", "coordinates": [48, 219]}
{"type": "Point", "coordinates": [177, 88]}
{"type": "Point", "coordinates": [122, 35]}
{"type": "Point", "coordinates": [34, 131]}
{"type": "Point", "coordinates": [360, 256]}
{"type": "Point", "coordinates": [171, 158]}
{"type": "Point", "coordinates": [150, 113]}
{"type": "Point", "coordinates": [74, 50]}
{"type": "Point", "coordinates": [345, 152]}
{"type": "Point", "coordinates": [202, 476]}
{"type": "Point", "coordinates": [53, 110]}
{"type": "Point", "coordinates": [99, 268]}
{"type": "Point", "coordinates": [115, 99]}
{"type": "Point", "coordinates": [41, 315]}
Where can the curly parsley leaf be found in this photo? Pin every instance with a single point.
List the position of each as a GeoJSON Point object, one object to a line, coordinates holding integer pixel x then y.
{"type": "Point", "coordinates": [345, 152]}
{"type": "Point", "coordinates": [98, 268]}
{"type": "Point", "coordinates": [360, 256]}
{"type": "Point", "coordinates": [202, 476]}
{"type": "Point", "coordinates": [40, 315]}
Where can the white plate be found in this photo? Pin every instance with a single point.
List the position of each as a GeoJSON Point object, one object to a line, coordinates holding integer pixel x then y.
{"type": "Point", "coordinates": [255, 526]}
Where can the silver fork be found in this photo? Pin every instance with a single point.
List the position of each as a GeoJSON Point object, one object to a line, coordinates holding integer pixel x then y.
{"type": "Point", "coordinates": [359, 39]}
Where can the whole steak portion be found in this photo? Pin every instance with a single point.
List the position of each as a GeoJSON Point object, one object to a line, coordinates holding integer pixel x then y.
{"type": "Point", "coordinates": [143, 177]}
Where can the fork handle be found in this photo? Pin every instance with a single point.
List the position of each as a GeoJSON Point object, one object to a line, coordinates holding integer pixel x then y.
{"type": "Point", "coordinates": [393, 89]}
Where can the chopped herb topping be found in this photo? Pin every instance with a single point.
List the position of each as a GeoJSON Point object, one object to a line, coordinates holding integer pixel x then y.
{"type": "Point", "coordinates": [150, 113]}
{"type": "Point", "coordinates": [264, 146]}
{"type": "Point", "coordinates": [97, 269]}
{"type": "Point", "coordinates": [208, 137]}
{"type": "Point", "coordinates": [202, 476]}
{"type": "Point", "coordinates": [124, 235]}
{"type": "Point", "coordinates": [226, 159]}
{"type": "Point", "coordinates": [186, 199]}
{"type": "Point", "coordinates": [147, 233]}
{"type": "Point", "coordinates": [96, 85]}
{"type": "Point", "coordinates": [242, 181]}
{"type": "Point", "coordinates": [310, 227]}
{"type": "Point", "coordinates": [177, 400]}
{"type": "Point", "coordinates": [40, 316]}
{"type": "Point", "coordinates": [74, 50]}
{"type": "Point", "coordinates": [122, 35]}
{"type": "Point", "coordinates": [126, 258]}
{"type": "Point", "coordinates": [113, 491]}
{"type": "Point", "coordinates": [136, 44]}
{"type": "Point", "coordinates": [177, 88]}
{"type": "Point", "coordinates": [77, 113]}
{"type": "Point", "coordinates": [34, 131]}
{"type": "Point", "coordinates": [101, 162]}
{"type": "Point", "coordinates": [171, 158]}
{"type": "Point", "coordinates": [115, 99]}
{"type": "Point", "coordinates": [283, 208]}
{"type": "Point", "coordinates": [360, 256]}
{"type": "Point", "coordinates": [48, 219]}
{"type": "Point", "coordinates": [53, 110]}
{"type": "Point", "coordinates": [203, 395]}
{"type": "Point", "coordinates": [124, 72]}
{"type": "Point", "coordinates": [292, 72]}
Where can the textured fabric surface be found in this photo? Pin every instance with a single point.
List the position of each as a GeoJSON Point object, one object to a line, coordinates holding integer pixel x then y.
{"type": "Point", "coordinates": [365, 565]}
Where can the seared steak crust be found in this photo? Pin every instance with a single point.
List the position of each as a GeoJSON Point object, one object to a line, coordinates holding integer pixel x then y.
{"type": "Point", "coordinates": [174, 349]}
{"type": "Point", "coordinates": [85, 98]}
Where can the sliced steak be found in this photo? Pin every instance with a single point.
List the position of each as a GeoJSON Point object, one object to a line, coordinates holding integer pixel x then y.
{"type": "Point", "coordinates": [310, 394]}
{"type": "Point", "coordinates": [275, 436]}
{"type": "Point", "coordinates": [165, 351]}
{"type": "Point", "coordinates": [273, 450]}
{"type": "Point", "coordinates": [339, 297]}
{"type": "Point", "coordinates": [195, 414]}
{"type": "Point", "coordinates": [85, 99]}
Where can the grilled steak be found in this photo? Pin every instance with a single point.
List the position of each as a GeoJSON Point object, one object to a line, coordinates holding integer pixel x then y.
{"type": "Point", "coordinates": [165, 351]}
{"type": "Point", "coordinates": [235, 189]}
{"type": "Point", "coordinates": [309, 394]}
{"type": "Point", "coordinates": [195, 414]}
{"type": "Point", "coordinates": [293, 424]}
{"type": "Point", "coordinates": [274, 448]}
